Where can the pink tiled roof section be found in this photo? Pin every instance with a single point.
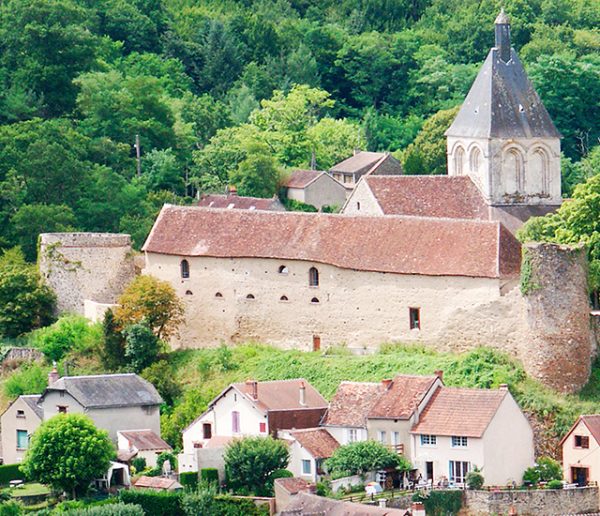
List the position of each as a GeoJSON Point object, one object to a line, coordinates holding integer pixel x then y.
{"type": "Point", "coordinates": [401, 245]}
{"type": "Point", "coordinates": [302, 178]}
{"type": "Point", "coordinates": [156, 482]}
{"type": "Point", "coordinates": [218, 441]}
{"type": "Point", "coordinates": [293, 485]}
{"type": "Point", "coordinates": [239, 202]}
{"type": "Point", "coordinates": [351, 404]}
{"type": "Point", "coordinates": [461, 412]}
{"type": "Point", "coordinates": [284, 394]}
{"type": "Point", "coordinates": [593, 424]}
{"type": "Point", "coordinates": [402, 397]}
{"type": "Point", "coordinates": [359, 161]}
{"type": "Point", "coordinates": [317, 441]}
{"type": "Point", "coordinates": [145, 440]}
{"type": "Point", "coordinates": [454, 197]}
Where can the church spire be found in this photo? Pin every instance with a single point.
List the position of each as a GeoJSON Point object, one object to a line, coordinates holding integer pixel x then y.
{"type": "Point", "coordinates": [502, 31]}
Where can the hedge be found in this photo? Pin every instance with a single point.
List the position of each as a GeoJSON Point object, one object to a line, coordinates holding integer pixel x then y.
{"type": "Point", "coordinates": [440, 503]}
{"type": "Point", "coordinates": [154, 503]}
{"type": "Point", "coordinates": [209, 475]}
{"type": "Point", "coordinates": [10, 472]}
{"type": "Point", "coordinates": [189, 479]}
{"type": "Point", "coordinates": [115, 509]}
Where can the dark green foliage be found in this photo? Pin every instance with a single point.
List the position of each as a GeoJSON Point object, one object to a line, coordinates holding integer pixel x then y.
{"type": "Point", "coordinates": [545, 470]}
{"type": "Point", "coordinates": [293, 205]}
{"type": "Point", "coordinates": [11, 508]}
{"type": "Point", "coordinates": [113, 348]}
{"type": "Point", "coordinates": [154, 503]}
{"type": "Point", "coordinates": [209, 476]}
{"type": "Point", "coordinates": [249, 463]}
{"type": "Point", "coordinates": [141, 346]}
{"type": "Point", "coordinates": [440, 503]}
{"type": "Point", "coordinates": [189, 479]}
{"type": "Point", "coordinates": [554, 484]}
{"type": "Point", "coordinates": [115, 509]}
{"type": "Point", "coordinates": [361, 457]}
{"type": "Point", "coordinates": [475, 479]}
{"type": "Point", "coordinates": [161, 376]}
{"type": "Point", "coordinates": [206, 501]}
{"type": "Point", "coordinates": [139, 463]}
{"type": "Point", "coordinates": [10, 472]}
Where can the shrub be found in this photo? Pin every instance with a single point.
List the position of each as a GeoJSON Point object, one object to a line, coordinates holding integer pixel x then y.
{"type": "Point", "coordinates": [115, 509]}
{"type": "Point", "coordinates": [154, 503]}
{"type": "Point", "coordinates": [545, 469]}
{"type": "Point", "coordinates": [363, 456]}
{"type": "Point", "coordinates": [30, 378]}
{"type": "Point", "coordinates": [161, 376]}
{"type": "Point", "coordinates": [440, 503]}
{"type": "Point", "coordinates": [139, 463]}
{"type": "Point", "coordinates": [475, 479]}
{"type": "Point", "coordinates": [11, 508]}
{"type": "Point", "coordinates": [554, 484]}
{"type": "Point", "coordinates": [209, 476]}
{"type": "Point", "coordinates": [10, 472]}
{"type": "Point", "coordinates": [141, 346]}
{"type": "Point", "coordinates": [281, 473]}
{"type": "Point", "coordinates": [189, 479]}
{"type": "Point", "coordinates": [206, 501]}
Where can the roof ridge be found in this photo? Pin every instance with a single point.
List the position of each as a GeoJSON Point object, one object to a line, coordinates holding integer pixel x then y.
{"type": "Point", "coordinates": [96, 376]}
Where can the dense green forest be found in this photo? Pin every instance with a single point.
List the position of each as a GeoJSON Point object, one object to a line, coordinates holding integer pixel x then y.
{"type": "Point", "coordinates": [224, 91]}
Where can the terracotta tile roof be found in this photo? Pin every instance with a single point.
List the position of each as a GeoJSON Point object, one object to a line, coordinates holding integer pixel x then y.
{"type": "Point", "coordinates": [401, 245]}
{"type": "Point", "coordinates": [218, 441]}
{"type": "Point", "coordinates": [302, 178]}
{"type": "Point", "coordinates": [283, 394]}
{"type": "Point", "coordinates": [358, 162]}
{"type": "Point", "coordinates": [402, 397]}
{"type": "Point", "coordinates": [293, 485]}
{"type": "Point", "coordinates": [463, 412]}
{"type": "Point", "coordinates": [240, 203]}
{"type": "Point", "coordinates": [125, 455]}
{"type": "Point", "coordinates": [454, 197]}
{"type": "Point", "coordinates": [157, 483]}
{"type": "Point", "coordinates": [591, 421]}
{"type": "Point", "coordinates": [317, 441]}
{"type": "Point", "coordinates": [144, 440]}
{"type": "Point", "coordinates": [351, 404]}
{"type": "Point", "coordinates": [305, 504]}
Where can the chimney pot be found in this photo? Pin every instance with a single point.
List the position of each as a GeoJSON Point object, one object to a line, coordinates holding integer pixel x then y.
{"type": "Point", "coordinates": [387, 382]}
{"type": "Point", "coordinates": [254, 386]}
{"type": "Point", "coordinates": [53, 375]}
{"type": "Point", "coordinates": [440, 374]}
{"type": "Point", "coordinates": [503, 386]}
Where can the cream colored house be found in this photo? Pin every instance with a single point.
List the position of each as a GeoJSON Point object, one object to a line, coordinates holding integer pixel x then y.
{"type": "Point", "coordinates": [18, 422]}
{"type": "Point", "coordinates": [309, 448]}
{"type": "Point", "coordinates": [464, 428]}
{"type": "Point", "coordinates": [316, 188]}
{"type": "Point", "coordinates": [252, 409]}
{"type": "Point", "coordinates": [581, 451]}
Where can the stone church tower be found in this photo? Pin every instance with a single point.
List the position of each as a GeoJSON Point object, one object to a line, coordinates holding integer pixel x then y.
{"type": "Point", "coordinates": [503, 137]}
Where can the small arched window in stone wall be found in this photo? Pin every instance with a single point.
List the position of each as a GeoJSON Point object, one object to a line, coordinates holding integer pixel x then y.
{"type": "Point", "coordinates": [283, 298]}
{"type": "Point", "coordinates": [540, 165]}
{"type": "Point", "coordinates": [475, 160]}
{"type": "Point", "coordinates": [283, 269]}
{"type": "Point", "coordinates": [315, 301]}
{"type": "Point", "coordinates": [313, 277]}
{"type": "Point", "coordinates": [188, 293]}
{"type": "Point", "coordinates": [459, 160]}
{"type": "Point", "coordinates": [185, 269]}
{"type": "Point", "coordinates": [250, 296]}
{"type": "Point", "coordinates": [218, 295]}
{"type": "Point", "coordinates": [513, 171]}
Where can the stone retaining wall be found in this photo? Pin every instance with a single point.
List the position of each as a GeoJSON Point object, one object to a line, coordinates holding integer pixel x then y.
{"type": "Point", "coordinates": [548, 502]}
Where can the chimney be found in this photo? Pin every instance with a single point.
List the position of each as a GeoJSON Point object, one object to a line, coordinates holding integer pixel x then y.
{"type": "Point", "coordinates": [232, 190]}
{"type": "Point", "coordinates": [503, 386]}
{"type": "Point", "coordinates": [254, 386]}
{"type": "Point", "coordinates": [502, 34]}
{"type": "Point", "coordinates": [53, 375]}
{"type": "Point", "coordinates": [302, 394]}
{"type": "Point", "coordinates": [440, 374]}
{"type": "Point", "coordinates": [387, 383]}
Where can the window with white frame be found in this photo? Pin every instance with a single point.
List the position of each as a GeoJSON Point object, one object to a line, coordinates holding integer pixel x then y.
{"type": "Point", "coordinates": [306, 467]}
{"type": "Point", "coordinates": [458, 471]}
{"type": "Point", "coordinates": [459, 441]}
{"type": "Point", "coordinates": [428, 440]}
{"type": "Point", "coordinates": [22, 440]}
{"type": "Point", "coordinates": [352, 435]}
{"type": "Point", "coordinates": [395, 438]}
{"type": "Point", "coordinates": [382, 436]}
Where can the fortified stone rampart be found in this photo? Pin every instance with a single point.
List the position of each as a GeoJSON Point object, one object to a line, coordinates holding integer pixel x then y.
{"type": "Point", "coordinates": [86, 266]}
{"type": "Point", "coordinates": [554, 285]}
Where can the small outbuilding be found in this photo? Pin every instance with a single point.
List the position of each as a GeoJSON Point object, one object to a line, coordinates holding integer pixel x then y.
{"type": "Point", "coordinates": [316, 188]}
{"type": "Point", "coordinates": [157, 483]}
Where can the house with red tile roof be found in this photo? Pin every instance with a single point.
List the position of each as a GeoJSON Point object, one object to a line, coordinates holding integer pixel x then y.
{"type": "Point", "coordinates": [315, 187]}
{"type": "Point", "coordinates": [461, 429]}
{"type": "Point", "coordinates": [252, 408]}
{"type": "Point", "coordinates": [140, 443]}
{"type": "Point", "coordinates": [233, 201]}
{"type": "Point", "coordinates": [581, 451]}
{"type": "Point", "coordinates": [309, 448]}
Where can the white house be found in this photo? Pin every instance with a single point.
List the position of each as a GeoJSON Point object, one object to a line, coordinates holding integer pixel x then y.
{"type": "Point", "coordinates": [463, 428]}
{"type": "Point", "coordinates": [253, 409]}
{"type": "Point", "coordinates": [140, 443]}
{"type": "Point", "coordinates": [580, 450]}
{"type": "Point", "coordinates": [309, 448]}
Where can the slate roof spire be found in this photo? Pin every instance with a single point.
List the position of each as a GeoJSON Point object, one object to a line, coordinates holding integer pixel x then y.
{"type": "Point", "coordinates": [502, 102]}
{"type": "Point", "coordinates": [502, 32]}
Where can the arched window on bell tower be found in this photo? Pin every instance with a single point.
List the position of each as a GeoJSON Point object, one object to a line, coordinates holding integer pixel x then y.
{"type": "Point", "coordinates": [459, 160]}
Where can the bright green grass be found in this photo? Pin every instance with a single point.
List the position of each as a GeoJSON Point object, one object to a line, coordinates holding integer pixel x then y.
{"type": "Point", "coordinates": [29, 489]}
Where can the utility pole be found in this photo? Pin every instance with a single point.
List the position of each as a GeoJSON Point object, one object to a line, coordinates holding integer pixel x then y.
{"type": "Point", "coordinates": [137, 155]}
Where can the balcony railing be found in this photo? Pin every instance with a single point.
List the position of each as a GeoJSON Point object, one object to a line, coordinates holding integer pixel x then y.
{"type": "Point", "coordinates": [398, 448]}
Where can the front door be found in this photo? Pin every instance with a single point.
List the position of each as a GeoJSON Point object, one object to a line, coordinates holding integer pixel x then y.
{"type": "Point", "coordinates": [579, 476]}
{"type": "Point", "coordinates": [316, 343]}
{"type": "Point", "coordinates": [429, 470]}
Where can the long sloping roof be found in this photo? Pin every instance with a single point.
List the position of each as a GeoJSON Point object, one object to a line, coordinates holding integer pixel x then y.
{"type": "Point", "coordinates": [402, 397]}
{"type": "Point", "coordinates": [351, 404]}
{"type": "Point", "coordinates": [402, 245]}
{"type": "Point", "coordinates": [32, 400]}
{"type": "Point", "coordinates": [283, 394]}
{"type": "Point", "coordinates": [144, 440]}
{"type": "Point", "coordinates": [302, 178]}
{"type": "Point", "coordinates": [239, 202]}
{"type": "Point", "coordinates": [304, 504]}
{"type": "Point", "coordinates": [108, 390]}
{"type": "Point", "coordinates": [460, 412]}
{"type": "Point", "coordinates": [454, 197]}
{"type": "Point", "coordinates": [317, 441]}
{"type": "Point", "coordinates": [358, 162]}
{"type": "Point", "coordinates": [502, 103]}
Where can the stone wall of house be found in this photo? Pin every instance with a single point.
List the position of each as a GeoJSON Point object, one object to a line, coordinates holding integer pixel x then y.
{"type": "Point", "coordinates": [80, 266]}
{"type": "Point", "coordinates": [555, 289]}
{"type": "Point", "coordinates": [532, 503]}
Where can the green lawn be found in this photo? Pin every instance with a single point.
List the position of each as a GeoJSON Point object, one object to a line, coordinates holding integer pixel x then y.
{"type": "Point", "coordinates": [29, 489]}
